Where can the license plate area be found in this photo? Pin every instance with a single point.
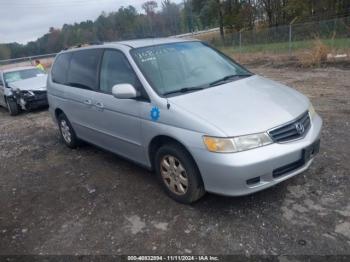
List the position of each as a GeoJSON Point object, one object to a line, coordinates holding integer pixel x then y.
{"type": "Point", "coordinates": [307, 154]}
{"type": "Point", "coordinates": [310, 151]}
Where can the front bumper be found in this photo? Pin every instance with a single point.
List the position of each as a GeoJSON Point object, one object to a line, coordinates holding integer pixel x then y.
{"type": "Point", "coordinates": [33, 102]}
{"type": "Point", "coordinates": [243, 173]}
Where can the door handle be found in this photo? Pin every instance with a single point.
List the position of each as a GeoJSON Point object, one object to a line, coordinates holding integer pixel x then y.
{"type": "Point", "coordinates": [88, 102]}
{"type": "Point", "coordinates": [99, 105]}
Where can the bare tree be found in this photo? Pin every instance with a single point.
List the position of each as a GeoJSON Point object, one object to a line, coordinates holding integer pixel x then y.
{"type": "Point", "coordinates": [221, 20]}
{"type": "Point", "coordinates": [150, 7]}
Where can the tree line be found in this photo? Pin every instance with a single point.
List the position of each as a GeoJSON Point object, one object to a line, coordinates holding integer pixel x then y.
{"type": "Point", "coordinates": [169, 18]}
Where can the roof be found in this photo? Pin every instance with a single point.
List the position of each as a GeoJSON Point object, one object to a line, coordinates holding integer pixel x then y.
{"type": "Point", "coordinates": [134, 43]}
{"type": "Point", "coordinates": [18, 68]}
{"type": "Point", "coordinates": [153, 41]}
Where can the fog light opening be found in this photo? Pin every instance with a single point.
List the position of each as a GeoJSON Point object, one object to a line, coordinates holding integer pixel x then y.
{"type": "Point", "coordinates": [253, 181]}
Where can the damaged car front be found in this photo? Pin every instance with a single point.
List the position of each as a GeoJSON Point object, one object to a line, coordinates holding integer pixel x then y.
{"type": "Point", "coordinates": [26, 89]}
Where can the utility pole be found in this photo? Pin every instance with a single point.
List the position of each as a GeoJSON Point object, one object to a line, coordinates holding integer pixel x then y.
{"type": "Point", "coordinates": [290, 35]}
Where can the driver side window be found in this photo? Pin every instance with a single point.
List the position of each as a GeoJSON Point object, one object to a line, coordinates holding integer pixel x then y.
{"type": "Point", "coordinates": [115, 69]}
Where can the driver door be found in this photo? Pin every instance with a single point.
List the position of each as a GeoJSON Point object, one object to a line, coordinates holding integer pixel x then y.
{"type": "Point", "coordinates": [118, 120]}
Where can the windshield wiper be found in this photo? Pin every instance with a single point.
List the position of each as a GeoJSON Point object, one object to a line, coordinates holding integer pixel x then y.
{"type": "Point", "coordinates": [184, 90]}
{"type": "Point", "coordinates": [227, 78]}
{"type": "Point", "coordinates": [217, 82]}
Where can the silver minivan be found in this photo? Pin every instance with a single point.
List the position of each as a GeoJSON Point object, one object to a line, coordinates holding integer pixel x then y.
{"type": "Point", "coordinates": [201, 121]}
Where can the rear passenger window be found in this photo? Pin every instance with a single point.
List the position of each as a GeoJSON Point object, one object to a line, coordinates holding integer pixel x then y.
{"type": "Point", "coordinates": [83, 69]}
{"type": "Point", "coordinates": [115, 69]}
{"type": "Point", "coordinates": [60, 67]}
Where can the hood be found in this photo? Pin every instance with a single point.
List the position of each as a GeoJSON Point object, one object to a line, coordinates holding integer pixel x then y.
{"type": "Point", "coordinates": [31, 84]}
{"type": "Point", "coordinates": [247, 106]}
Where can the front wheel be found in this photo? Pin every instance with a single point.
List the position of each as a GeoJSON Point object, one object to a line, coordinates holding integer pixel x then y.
{"type": "Point", "coordinates": [12, 107]}
{"type": "Point", "coordinates": [178, 174]}
{"type": "Point", "coordinates": [66, 131]}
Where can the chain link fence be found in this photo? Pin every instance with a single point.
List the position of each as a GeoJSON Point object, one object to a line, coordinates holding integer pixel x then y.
{"type": "Point", "coordinates": [335, 33]}
{"type": "Point", "coordinates": [281, 39]}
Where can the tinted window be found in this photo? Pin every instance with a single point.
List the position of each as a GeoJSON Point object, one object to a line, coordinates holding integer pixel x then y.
{"type": "Point", "coordinates": [83, 69]}
{"type": "Point", "coordinates": [59, 70]}
{"type": "Point", "coordinates": [115, 69]}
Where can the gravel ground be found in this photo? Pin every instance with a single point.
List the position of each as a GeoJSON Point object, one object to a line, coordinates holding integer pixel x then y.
{"type": "Point", "coordinates": [54, 200]}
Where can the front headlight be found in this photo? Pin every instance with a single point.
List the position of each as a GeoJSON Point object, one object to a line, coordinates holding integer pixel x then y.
{"type": "Point", "coordinates": [27, 93]}
{"type": "Point", "coordinates": [312, 111]}
{"type": "Point", "coordinates": [236, 144]}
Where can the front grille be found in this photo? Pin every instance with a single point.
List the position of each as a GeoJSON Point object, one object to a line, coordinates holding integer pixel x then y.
{"type": "Point", "coordinates": [40, 95]}
{"type": "Point", "coordinates": [292, 130]}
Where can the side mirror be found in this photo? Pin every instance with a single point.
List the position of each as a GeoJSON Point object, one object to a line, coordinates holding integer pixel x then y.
{"type": "Point", "coordinates": [124, 91]}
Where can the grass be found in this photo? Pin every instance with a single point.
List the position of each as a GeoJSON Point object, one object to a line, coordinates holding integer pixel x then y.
{"type": "Point", "coordinates": [316, 56]}
{"type": "Point", "coordinates": [311, 53]}
{"type": "Point", "coordinates": [339, 44]}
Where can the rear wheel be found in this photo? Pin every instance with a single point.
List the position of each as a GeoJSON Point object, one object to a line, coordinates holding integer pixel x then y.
{"type": "Point", "coordinates": [12, 107]}
{"type": "Point", "coordinates": [178, 174]}
{"type": "Point", "coordinates": [67, 133]}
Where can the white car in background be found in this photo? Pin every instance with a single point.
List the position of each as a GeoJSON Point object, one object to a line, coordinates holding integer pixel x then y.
{"type": "Point", "coordinates": [23, 88]}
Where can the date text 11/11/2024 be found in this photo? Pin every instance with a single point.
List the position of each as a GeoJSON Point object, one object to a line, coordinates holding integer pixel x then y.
{"type": "Point", "coordinates": [173, 258]}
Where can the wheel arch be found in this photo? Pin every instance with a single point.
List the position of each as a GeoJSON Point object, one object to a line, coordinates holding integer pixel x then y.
{"type": "Point", "coordinates": [160, 140]}
{"type": "Point", "coordinates": [58, 111]}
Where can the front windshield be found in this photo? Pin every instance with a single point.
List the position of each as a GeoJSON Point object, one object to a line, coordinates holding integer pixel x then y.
{"type": "Point", "coordinates": [22, 74]}
{"type": "Point", "coordinates": [184, 66]}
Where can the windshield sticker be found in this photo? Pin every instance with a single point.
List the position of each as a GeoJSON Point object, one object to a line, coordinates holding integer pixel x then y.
{"type": "Point", "coordinates": [155, 113]}
{"type": "Point", "coordinates": [148, 59]}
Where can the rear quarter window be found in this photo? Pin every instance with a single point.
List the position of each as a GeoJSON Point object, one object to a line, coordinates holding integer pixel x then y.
{"type": "Point", "coordinates": [60, 68]}
{"type": "Point", "coordinates": [83, 70]}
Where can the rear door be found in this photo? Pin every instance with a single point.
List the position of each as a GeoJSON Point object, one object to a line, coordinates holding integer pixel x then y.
{"type": "Point", "coordinates": [79, 86]}
{"type": "Point", "coordinates": [82, 79]}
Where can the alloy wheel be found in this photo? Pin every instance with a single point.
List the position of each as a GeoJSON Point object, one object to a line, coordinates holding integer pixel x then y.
{"type": "Point", "coordinates": [65, 130]}
{"type": "Point", "coordinates": [174, 174]}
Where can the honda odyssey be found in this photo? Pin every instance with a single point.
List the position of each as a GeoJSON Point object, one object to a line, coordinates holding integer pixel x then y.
{"type": "Point", "coordinates": [197, 118]}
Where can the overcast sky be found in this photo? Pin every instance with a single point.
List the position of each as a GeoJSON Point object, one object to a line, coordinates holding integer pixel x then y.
{"type": "Point", "coordinates": [26, 20]}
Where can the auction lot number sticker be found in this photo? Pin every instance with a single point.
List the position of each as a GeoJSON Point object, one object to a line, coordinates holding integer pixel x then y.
{"type": "Point", "coordinates": [173, 258]}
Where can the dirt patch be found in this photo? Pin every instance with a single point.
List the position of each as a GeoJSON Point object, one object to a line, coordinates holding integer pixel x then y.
{"type": "Point", "coordinates": [54, 200]}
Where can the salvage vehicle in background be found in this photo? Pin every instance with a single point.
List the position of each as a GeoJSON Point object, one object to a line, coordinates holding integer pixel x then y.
{"type": "Point", "coordinates": [23, 88]}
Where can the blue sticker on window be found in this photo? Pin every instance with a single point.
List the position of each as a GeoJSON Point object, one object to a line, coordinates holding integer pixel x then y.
{"type": "Point", "coordinates": [155, 113]}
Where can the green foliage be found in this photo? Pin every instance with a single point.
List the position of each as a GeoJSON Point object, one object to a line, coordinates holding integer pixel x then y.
{"type": "Point", "coordinates": [5, 52]}
{"type": "Point", "coordinates": [169, 18]}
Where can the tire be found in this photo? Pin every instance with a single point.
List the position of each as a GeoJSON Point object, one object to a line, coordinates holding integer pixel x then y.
{"type": "Point", "coordinates": [12, 107]}
{"type": "Point", "coordinates": [178, 174]}
{"type": "Point", "coordinates": [67, 132]}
